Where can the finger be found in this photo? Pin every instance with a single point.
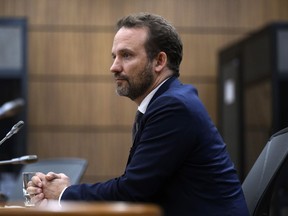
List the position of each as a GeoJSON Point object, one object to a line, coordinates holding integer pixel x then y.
{"type": "Point", "coordinates": [34, 190]}
{"type": "Point", "coordinates": [51, 175]}
{"type": "Point", "coordinates": [36, 181]}
{"type": "Point", "coordinates": [37, 199]}
{"type": "Point", "coordinates": [30, 184]}
{"type": "Point", "coordinates": [40, 175]}
{"type": "Point", "coordinates": [63, 176]}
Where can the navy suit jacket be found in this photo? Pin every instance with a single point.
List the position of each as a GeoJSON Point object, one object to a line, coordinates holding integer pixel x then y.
{"type": "Point", "coordinates": [178, 161]}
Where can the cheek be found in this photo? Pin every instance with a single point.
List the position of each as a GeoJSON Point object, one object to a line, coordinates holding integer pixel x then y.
{"type": "Point", "coordinates": [133, 68]}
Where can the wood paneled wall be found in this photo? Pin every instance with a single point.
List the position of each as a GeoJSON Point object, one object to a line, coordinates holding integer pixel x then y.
{"type": "Point", "coordinates": [73, 108]}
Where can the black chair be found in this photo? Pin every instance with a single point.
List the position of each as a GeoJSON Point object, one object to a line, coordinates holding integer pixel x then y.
{"type": "Point", "coordinates": [72, 167]}
{"type": "Point", "coordinates": [260, 183]}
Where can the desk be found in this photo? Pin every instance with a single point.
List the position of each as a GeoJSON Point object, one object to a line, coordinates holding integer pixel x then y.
{"type": "Point", "coordinates": [85, 209]}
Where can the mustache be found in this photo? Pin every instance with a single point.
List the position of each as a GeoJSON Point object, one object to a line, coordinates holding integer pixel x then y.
{"type": "Point", "coordinates": [117, 76]}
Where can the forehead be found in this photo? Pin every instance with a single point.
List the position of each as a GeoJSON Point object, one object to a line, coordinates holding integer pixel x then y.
{"type": "Point", "coordinates": [129, 38]}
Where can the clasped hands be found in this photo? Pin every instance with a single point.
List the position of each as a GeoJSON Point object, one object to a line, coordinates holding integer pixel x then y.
{"type": "Point", "coordinates": [43, 187]}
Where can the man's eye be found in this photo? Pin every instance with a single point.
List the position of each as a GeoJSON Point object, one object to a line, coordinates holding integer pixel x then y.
{"type": "Point", "coordinates": [126, 55]}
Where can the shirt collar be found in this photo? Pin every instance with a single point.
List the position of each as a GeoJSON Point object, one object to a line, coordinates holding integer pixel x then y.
{"type": "Point", "coordinates": [144, 104]}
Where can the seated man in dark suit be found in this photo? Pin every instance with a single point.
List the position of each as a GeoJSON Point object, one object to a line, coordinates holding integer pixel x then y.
{"type": "Point", "coordinates": [178, 159]}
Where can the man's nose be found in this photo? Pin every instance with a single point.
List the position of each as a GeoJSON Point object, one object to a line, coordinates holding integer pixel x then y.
{"type": "Point", "coordinates": [116, 66]}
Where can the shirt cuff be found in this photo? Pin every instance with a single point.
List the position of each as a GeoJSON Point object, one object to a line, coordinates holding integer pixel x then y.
{"type": "Point", "coordinates": [59, 200]}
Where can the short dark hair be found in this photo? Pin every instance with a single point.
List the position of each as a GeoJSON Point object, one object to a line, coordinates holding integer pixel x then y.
{"type": "Point", "coordinates": [162, 37]}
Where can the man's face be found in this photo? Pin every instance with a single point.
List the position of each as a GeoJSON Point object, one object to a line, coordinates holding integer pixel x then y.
{"type": "Point", "coordinates": [132, 71]}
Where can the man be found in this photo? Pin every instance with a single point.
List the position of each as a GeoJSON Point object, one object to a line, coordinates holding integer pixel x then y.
{"type": "Point", "coordinates": [178, 159]}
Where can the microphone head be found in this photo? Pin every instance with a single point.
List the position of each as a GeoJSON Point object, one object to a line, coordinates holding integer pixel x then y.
{"type": "Point", "coordinates": [28, 159]}
{"type": "Point", "coordinates": [14, 129]}
{"type": "Point", "coordinates": [18, 125]}
{"type": "Point", "coordinates": [11, 108]}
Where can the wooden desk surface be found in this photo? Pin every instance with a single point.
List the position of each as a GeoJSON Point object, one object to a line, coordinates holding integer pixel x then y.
{"type": "Point", "coordinates": [85, 209]}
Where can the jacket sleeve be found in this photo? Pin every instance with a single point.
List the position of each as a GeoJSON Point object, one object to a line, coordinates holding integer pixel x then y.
{"type": "Point", "coordinates": [166, 136]}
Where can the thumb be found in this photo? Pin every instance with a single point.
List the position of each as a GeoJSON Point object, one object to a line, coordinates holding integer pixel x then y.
{"type": "Point", "coordinates": [51, 175]}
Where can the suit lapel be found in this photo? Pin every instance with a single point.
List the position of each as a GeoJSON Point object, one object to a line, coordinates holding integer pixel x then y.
{"type": "Point", "coordinates": [160, 91]}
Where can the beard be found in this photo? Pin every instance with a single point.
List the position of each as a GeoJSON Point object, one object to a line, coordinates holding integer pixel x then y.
{"type": "Point", "coordinates": [137, 85]}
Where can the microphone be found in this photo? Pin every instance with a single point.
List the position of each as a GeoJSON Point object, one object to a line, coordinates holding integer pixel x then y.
{"type": "Point", "coordinates": [13, 131]}
{"type": "Point", "coordinates": [11, 108]}
{"type": "Point", "coordinates": [21, 160]}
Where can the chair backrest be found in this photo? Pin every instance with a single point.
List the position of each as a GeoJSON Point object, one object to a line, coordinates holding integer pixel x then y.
{"type": "Point", "coordinates": [260, 181]}
{"type": "Point", "coordinates": [74, 168]}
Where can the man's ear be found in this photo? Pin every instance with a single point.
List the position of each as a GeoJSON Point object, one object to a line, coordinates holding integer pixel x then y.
{"type": "Point", "coordinates": [161, 61]}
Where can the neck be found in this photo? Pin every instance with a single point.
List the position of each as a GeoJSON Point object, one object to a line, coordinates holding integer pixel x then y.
{"type": "Point", "coordinates": [155, 85]}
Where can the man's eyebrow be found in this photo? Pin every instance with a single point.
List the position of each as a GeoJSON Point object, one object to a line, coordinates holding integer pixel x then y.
{"type": "Point", "coordinates": [125, 50]}
{"type": "Point", "coordinates": [121, 51]}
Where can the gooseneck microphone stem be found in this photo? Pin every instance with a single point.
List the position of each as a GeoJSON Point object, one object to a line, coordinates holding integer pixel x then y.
{"type": "Point", "coordinates": [21, 160]}
{"type": "Point", "coordinates": [13, 131]}
{"type": "Point", "coordinates": [3, 140]}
